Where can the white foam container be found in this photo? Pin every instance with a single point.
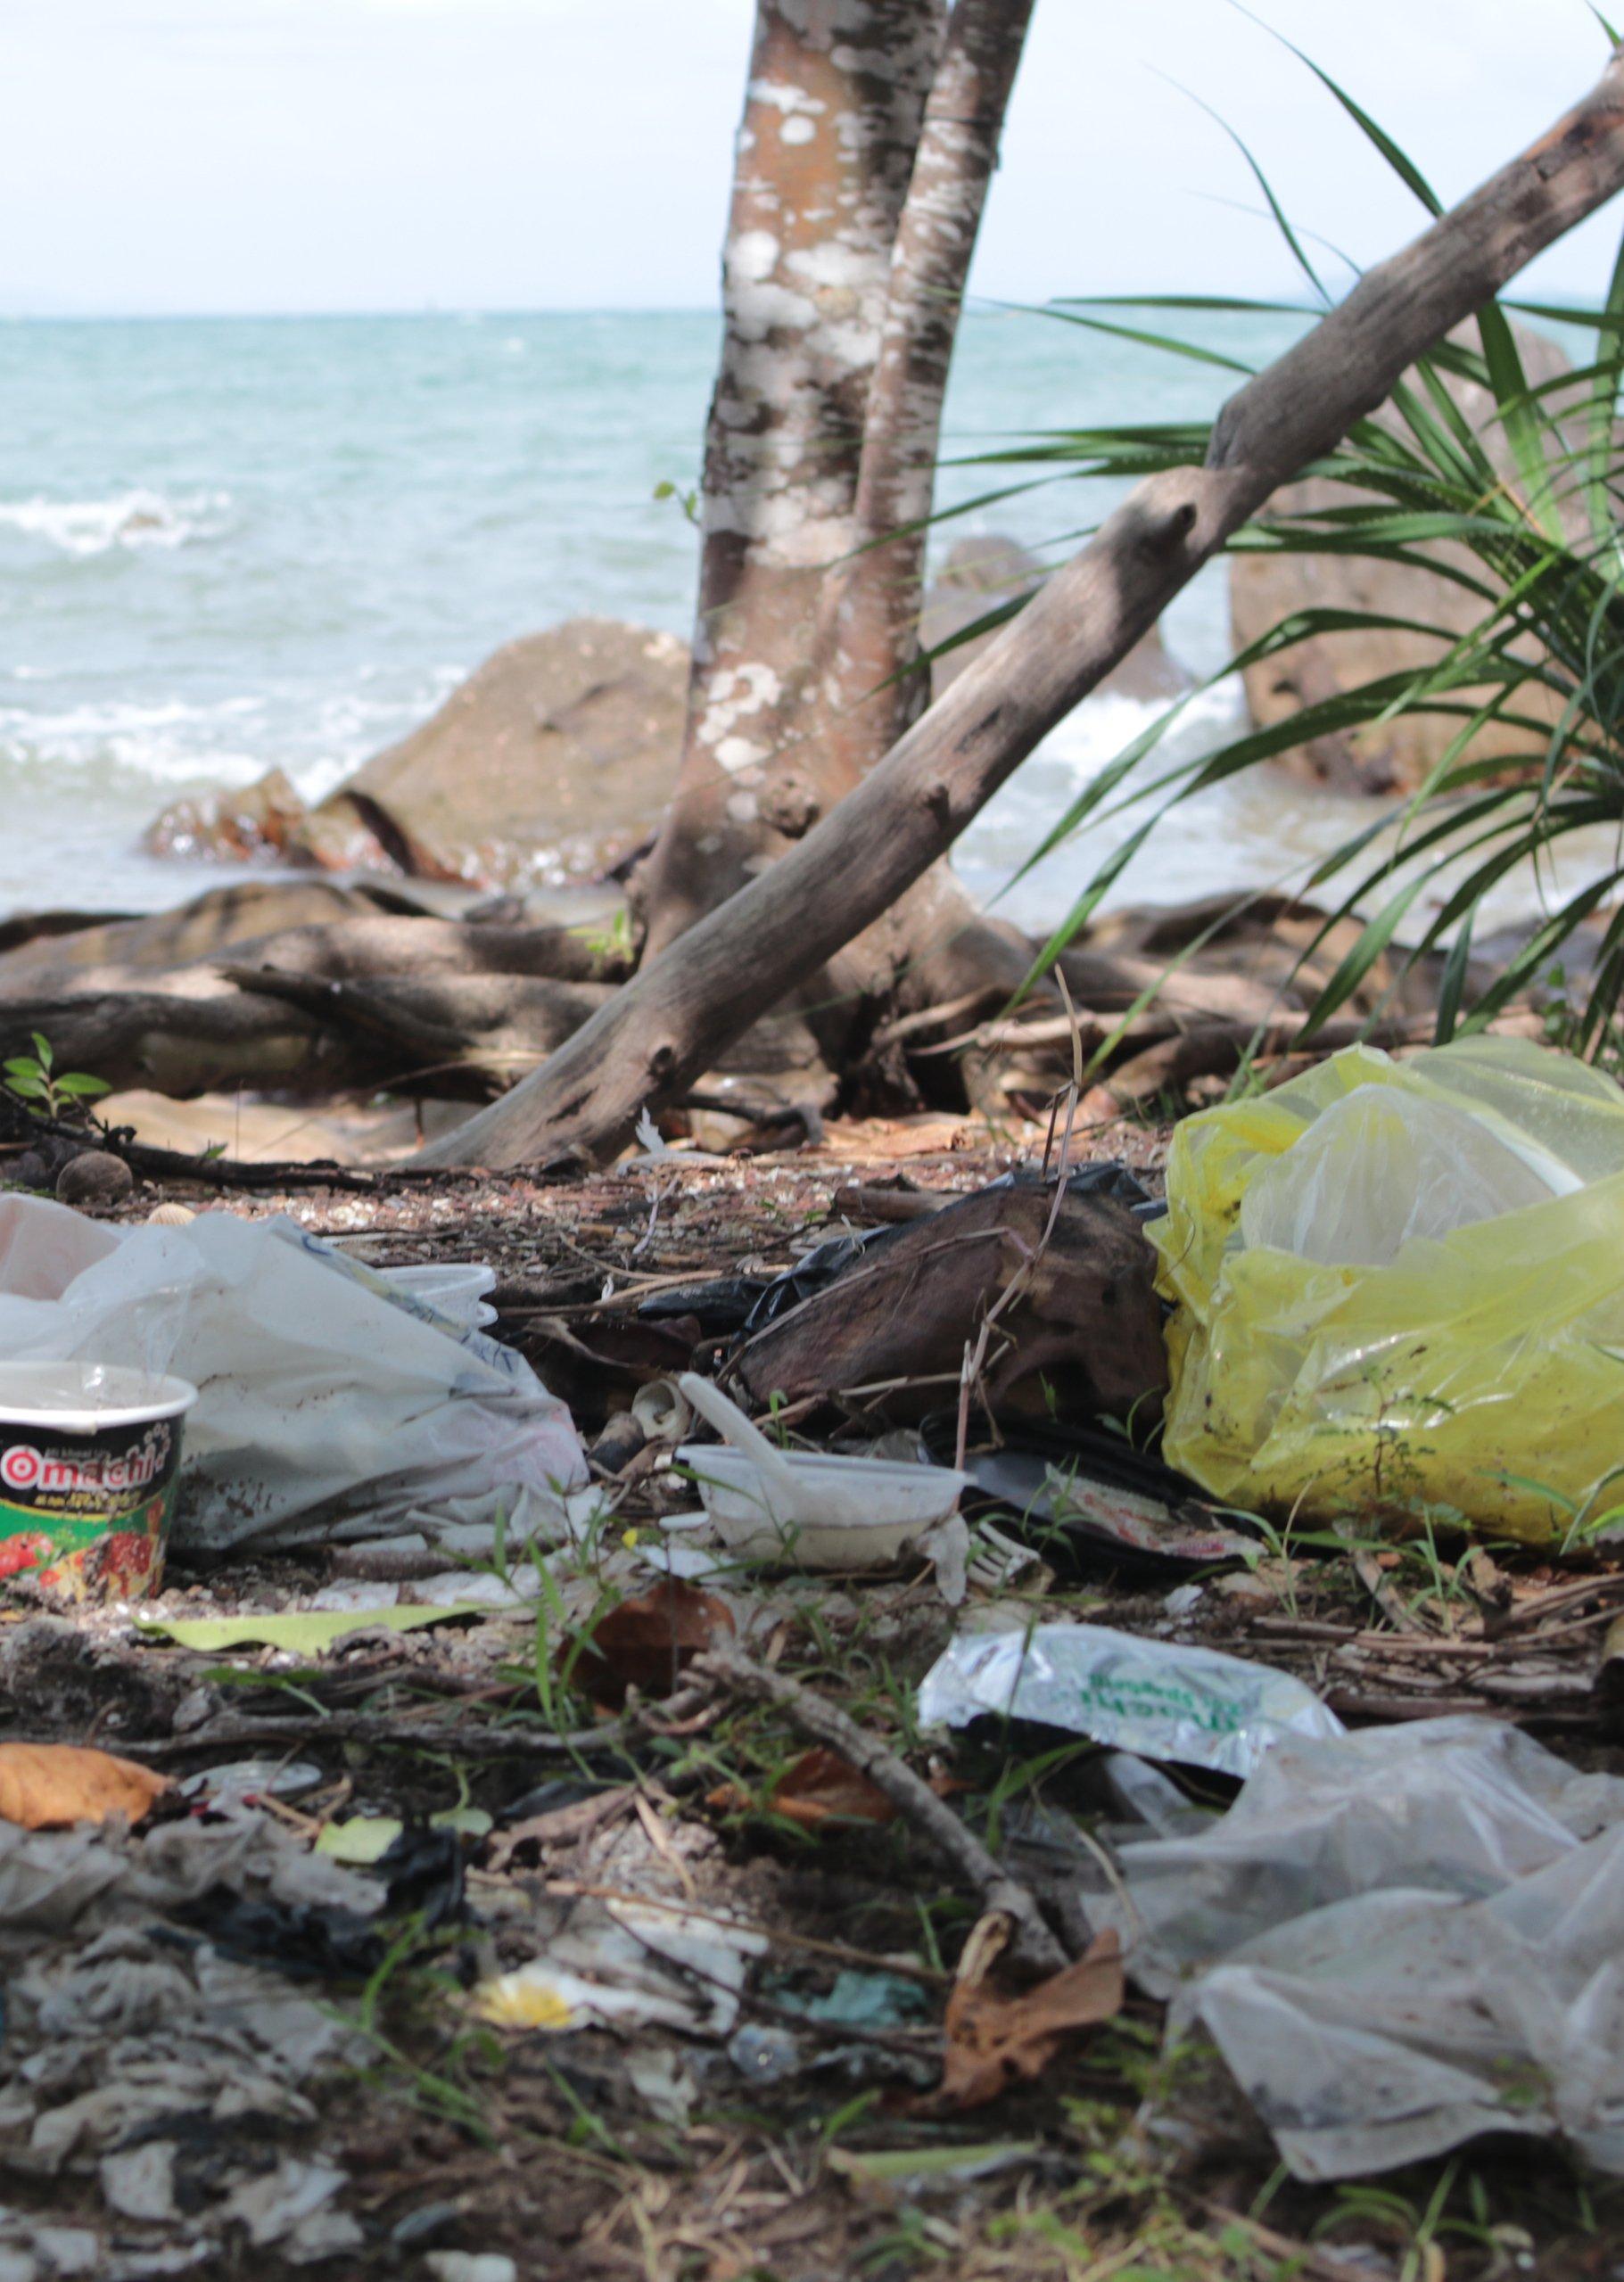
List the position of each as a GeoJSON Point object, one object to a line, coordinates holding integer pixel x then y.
{"type": "Point", "coordinates": [847, 1513]}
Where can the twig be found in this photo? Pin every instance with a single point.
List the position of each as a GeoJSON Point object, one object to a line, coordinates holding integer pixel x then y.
{"type": "Point", "coordinates": [1297, 2257]}
{"type": "Point", "coordinates": [473, 1743]}
{"type": "Point", "coordinates": [928, 1018]}
{"type": "Point", "coordinates": [1350, 1703]}
{"type": "Point", "coordinates": [647, 1238]}
{"type": "Point", "coordinates": [1368, 1571]}
{"type": "Point", "coordinates": [1540, 1606]}
{"type": "Point", "coordinates": [1032, 1942]}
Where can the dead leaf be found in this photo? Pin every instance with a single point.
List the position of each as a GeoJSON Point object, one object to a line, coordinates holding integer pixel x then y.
{"type": "Point", "coordinates": [645, 1644]}
{"type": "Point", "coordinates": [45, 1786]}
{"type": "Point", "coordinates": [995, 2042]}
{"type": "Point", "coordinates": [823, 1787]}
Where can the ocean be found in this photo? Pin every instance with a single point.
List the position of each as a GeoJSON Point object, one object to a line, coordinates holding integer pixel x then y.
{"type": "Point", "coordinates": [230, 543]}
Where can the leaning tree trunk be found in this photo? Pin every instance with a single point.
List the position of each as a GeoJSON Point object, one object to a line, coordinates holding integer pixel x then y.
{"type": "Point", "coordinates": [664, 1026]}
{"type": "Point", "coordinates": [832, 118]}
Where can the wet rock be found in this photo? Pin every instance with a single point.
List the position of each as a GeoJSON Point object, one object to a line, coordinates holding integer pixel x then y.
{"type": "Point", "coordinates": [94, 1178]}
{"type": "Point", "coordinates": [554, 761]}
{"type": "Point", "coordinates": [248, 825]}
{"type": "Point", "coordinates": [982, 572]}
{"type": "Point", "coordinates": [1396, 756]}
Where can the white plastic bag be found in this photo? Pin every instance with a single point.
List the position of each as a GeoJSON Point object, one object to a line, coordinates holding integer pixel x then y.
{"type": "Point", "coordinates": [329, 1404]}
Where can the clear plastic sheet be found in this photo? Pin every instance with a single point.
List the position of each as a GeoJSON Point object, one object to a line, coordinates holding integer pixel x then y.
{"type": "Point", "coordinates": [1399, 1939]}
{"type": "Point", "coordinates": [1149, 1696]}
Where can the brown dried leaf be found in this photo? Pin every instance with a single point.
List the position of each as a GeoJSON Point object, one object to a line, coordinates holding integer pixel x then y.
{"type": "Point", "coordinates": [45, 1786]}
{"type": "Point", "coordinates": [823, 1787]}
{"type": "Point", "coordinates": [645, 1644]}
{"type": "Point", "coordinates": [995, 2042]}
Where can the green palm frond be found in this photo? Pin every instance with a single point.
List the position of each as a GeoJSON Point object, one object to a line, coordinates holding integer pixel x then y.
{"type": "Point", "coordinates": [1528, 506]}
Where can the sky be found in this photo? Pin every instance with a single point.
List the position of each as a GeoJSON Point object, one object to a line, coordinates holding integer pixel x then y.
{"type": "Point", "coordinates": [163, 156]}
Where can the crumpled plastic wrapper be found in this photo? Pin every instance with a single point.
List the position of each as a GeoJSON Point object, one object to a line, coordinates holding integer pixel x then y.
{"type": "Point", "coordinates": [1399, 1939]}
{"type": "Point", "coordinates": [1153, 1697]}
{"type": "Point", "coordinates": [137, 2055]}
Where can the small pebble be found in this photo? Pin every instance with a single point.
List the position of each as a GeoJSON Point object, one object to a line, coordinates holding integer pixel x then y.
{"type": "Point", "coordinates": [171, 1217]}
{"type": "Point", "coordinates": [95, 1178]}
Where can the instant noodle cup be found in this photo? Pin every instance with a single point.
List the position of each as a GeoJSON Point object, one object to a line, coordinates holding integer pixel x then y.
{"type": "Point", "coordinates": [89, 1459]}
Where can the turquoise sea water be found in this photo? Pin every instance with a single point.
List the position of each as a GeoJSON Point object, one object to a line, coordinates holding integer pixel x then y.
{"type": "Point", "coordinates": [230, 543]}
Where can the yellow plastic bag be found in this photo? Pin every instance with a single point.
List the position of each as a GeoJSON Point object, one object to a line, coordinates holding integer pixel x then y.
{"type": "Point", "coordinates": [1398, 1290]}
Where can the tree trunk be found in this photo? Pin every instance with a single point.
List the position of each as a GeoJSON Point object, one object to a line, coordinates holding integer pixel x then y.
{"type": "Point", "coordinates": [832, 118]}
{"type": "Point", "coordinates": [873, 687]}
{"type": "Point", "coordinates": [663, 1028]}
{"type": "Point", "coordinates": [818, 478]}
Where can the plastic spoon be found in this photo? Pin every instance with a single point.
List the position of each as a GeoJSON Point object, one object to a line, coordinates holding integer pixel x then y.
{"type": "Point", "coordinates": [720, 1411]}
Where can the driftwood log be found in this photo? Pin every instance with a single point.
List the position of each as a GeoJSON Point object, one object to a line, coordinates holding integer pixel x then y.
{"type": "Point", "coordinates": [664, 1029]}
{"type": "Point", "coordinates": [217, 995]}
{"type": "Point", "coordinates": [1081, 1327]}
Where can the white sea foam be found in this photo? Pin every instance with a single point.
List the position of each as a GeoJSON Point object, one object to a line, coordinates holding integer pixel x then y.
{"type": "Point", "coordinates": [173, 741]}
{"type": "Point", "coordinates": [1191, 856]}
{"type": "Point", "coordinates": [168, 742]}
{"type": "Point", "coordinates": [131, 519]}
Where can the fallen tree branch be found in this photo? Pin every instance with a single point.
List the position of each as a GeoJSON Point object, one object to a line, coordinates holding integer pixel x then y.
{"type": "Point", "coordinates": [1032, 1944]}
{"type": "Point", "coordinates": [707, 988]}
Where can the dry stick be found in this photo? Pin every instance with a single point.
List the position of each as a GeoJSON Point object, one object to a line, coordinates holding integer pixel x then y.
{"type": "Point", "coordinates": [708, 987]}
{"type": "Point", "coordinates": [1032, 1943]}
{"type": "Point", "coordinates": [1387, 1598]}
{"type": "Point", "coordinates": [473, 1743]}
{"type": "Point", "coordinates": [1539, 1605]}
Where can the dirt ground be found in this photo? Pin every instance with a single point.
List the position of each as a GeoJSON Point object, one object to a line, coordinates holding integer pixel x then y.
{"type": "Point", "coordinates": [805, 2140]}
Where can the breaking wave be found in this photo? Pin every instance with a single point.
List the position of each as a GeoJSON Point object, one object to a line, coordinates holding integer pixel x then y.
{"type": "Point", "coordinates": [318, 738]}
{"type": "Point", "coordinates": [130, 519]}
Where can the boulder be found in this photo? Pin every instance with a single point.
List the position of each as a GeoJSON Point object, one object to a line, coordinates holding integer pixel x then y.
{"type": "Point", "coordinates": [549, 765]}
{"type": "Point", "coordinates": [552, 763]}
{"type": "Point", "coordinates": [1396, 756]}
{"type": "Point", "coordinates": [983, 571]}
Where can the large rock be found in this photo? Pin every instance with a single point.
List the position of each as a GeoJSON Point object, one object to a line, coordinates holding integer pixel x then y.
{"type": "Point", "coordinates": [982, 572]}
{"type": "Point", "coordinates": [1396, 756]}
{"type": "Point", "coordinates": [552, 761]}
{"type": "Point", "coordinates": [549, 765]}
